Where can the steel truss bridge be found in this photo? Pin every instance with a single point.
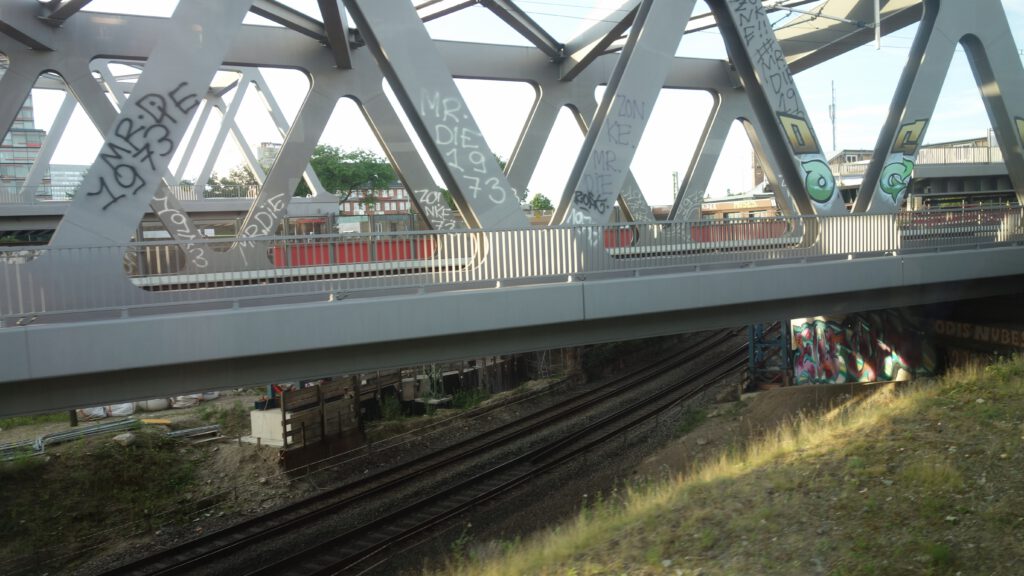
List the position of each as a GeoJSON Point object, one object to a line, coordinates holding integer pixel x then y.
{"type": "Point", "coordinates": [94, 317]}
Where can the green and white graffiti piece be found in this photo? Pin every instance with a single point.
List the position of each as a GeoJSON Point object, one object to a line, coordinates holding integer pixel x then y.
{"type": "Point", "coordinates": [899, 164]}
{"type": "Point", "coordinates": [896, 177]}
{"type": "Point", "coordinates": [820, 183]}
{"type": "Point", "coordinates": [818, 179]}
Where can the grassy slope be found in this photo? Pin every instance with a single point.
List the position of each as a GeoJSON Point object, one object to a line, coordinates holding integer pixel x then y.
{"type": "Point", "coordinates": [927, 480]}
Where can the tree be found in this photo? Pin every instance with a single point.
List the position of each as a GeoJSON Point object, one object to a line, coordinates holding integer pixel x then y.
{"type": "Point", "coordinates": [341, 172]}
{"type": "Point", "coordinates": [238, 181]}
{"type": "Point", "coordinates": [541, 202]}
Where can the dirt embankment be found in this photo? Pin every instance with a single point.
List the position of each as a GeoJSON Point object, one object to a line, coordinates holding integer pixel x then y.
{"type": "Point", "coordinates": [731, 425]}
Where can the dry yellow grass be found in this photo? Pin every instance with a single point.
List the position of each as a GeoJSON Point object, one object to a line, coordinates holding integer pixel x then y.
{"type": "Point", "coordinates": [922, 480]}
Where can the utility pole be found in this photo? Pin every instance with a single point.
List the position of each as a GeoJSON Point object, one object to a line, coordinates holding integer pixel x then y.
{"type": "Point", "coordinates": [832, 115]}
{"type": "Point", "coordinates": [878, 26]}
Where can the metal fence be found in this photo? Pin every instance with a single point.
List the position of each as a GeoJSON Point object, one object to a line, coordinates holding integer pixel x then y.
{"type": "Point", "coordinates": [154, 277]}
{"type": "Point", "coordinates": [15, 193]}
{"type": "Point", "coordinates": [960, 155]}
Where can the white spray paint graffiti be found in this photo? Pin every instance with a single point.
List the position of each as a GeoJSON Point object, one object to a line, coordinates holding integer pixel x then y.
{"type": "Point", "coordinates": [264, 217]}
{"type": "Point", "coordinates": [182, 228]}
{"type": "Point", "coordinates": [436, 210]}
{"type": "Point", "coordinates": [599, 184]}
{"type": "Point", "coordinates": [590, 233]}
{"type": "Point", "coordinates": [776, 78]}
{"type": "Point", "coordinates": [462, 147]}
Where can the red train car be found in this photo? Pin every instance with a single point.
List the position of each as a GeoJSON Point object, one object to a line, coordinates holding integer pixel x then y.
{"type": "Point", "coordinates": [352, 252]}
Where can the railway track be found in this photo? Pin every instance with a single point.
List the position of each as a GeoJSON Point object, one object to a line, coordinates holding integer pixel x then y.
{"type": "Point", "coordinates": [347, 551]}
{"type": "Point", "coordinates": [197, 553]}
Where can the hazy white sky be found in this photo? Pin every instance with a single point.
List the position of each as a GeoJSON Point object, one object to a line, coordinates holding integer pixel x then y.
{"type": "Point", "coordinates": [669, 141]}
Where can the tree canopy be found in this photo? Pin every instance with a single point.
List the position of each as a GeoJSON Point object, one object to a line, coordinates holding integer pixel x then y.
{"type": "Point", "coordinates": [238, 180]}
{"type": "Point", "coordinates": [341, 172]}
{"type": "Point", "coordinates": [541, 202]}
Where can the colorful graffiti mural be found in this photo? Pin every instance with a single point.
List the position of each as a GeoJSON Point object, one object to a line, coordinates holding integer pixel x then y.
{"type": "Point", "coordinates": [869, 347]}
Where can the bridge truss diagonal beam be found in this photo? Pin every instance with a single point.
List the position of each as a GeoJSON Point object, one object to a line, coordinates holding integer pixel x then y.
{"type": "Point", "coordinates": [982, 29]}
{"type": "Point", "coordinates": [729, 108]}
{"type": "Point", "coordinates": [615, 132]}
{"type": "Point", "coordinates": [434, 9]}
{"type": "Point", "coordinates": [18, 21]}
{"type": "Point", "coordinates": [412, 171]}
{"type": "Point", "coordinates": [61, 10]}
{"type": "Point", "coordinates": [53, 136]}
{"type": "Point", "coordinates": [227, 121]}
{"type": "Point", "coordinates": [290, 18]}
{"type": "Point", "coordinates": [118, 187]}
{"type": "Point", "coordinates": [760, 62]}
{"type": "Point", "coordinates": [438, 112]}
{"type": "Point", "coordinates": [521, 22]}
{"type": "Point", "coordinates": [631, 197]}
{"type": "Point", "coordinates": [594, 41]}
{"type": "Point", "coordinates": [336, 27]}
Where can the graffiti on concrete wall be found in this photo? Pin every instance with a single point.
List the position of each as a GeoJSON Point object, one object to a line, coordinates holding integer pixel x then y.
{"type": "Point", "coordinates": [869, 347]}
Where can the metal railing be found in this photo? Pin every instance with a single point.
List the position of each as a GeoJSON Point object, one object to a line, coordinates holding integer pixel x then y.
{"type": "Point", "coordinates": [12, 193]}
{"type": "Point", "coordinates": [960, 155]}
{"type": "Point", "coordinates": [158, 276]}
{"type": "Point", "coordinates": [932, 156]}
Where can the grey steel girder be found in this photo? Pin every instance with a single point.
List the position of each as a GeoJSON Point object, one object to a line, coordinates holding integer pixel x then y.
{"type": "Point", "coordinates": [277, 115]}
{"type": "Point", "coordinates": [164, 205]}
{"type": "Point", "coordinates": [87, 34]}
{"type": "Point", "coordinates": [762, 67]}
{"type": "Point", "coordinates": [118, 188]}
{"type": "Point", "coordinates": [412, 171]}
{"type": "Point", "coordinates": [21, 22]}
{"type": "Point", "coordinates": [193, 141]}
{"type": "Point", "coordinates": [521, 22]}
{"type": "Point", "coordinates": [425, 88]}
{"type": "Point", "coordinates": [630, 198]}
{"type": "Point", "coordinates": [251, 161]}
{"type": "Point", "coordinates": [434, 9]}
{"type": "Point", "coordinates": [290, 18]}
{"type": "Point", "coordinates": [594, 41]}
{"type": "Point", "coordinates": [61, 10]}
{"type": "Point", "coordinates": [615, 131]}
{"type": "Point", "coordinates": [729, 107]}
{"type": "Point", "coordinates": [981, 27]}
{"type": "Point", "coordinates": [227, 121]}
{"type": "Point", "coordinates": [53, 136]}
{"type": "Point", "coordinates": [336, 26]}
{"type": "Point", "coordinates": [277, 47]}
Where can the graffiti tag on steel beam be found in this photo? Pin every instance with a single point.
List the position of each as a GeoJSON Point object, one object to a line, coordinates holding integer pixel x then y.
{"type": "Point", "coordinates": [908, 137]}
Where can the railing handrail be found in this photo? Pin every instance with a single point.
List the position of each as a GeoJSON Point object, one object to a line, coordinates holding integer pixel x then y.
{"type": "Point", "coordinates": [33, 279]}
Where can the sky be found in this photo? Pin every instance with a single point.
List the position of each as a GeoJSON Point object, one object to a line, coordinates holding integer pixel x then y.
{"type": "Point", "coordinates": [500, 109]}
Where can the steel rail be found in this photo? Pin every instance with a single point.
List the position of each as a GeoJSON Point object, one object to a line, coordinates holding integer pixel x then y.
{"type": "Point", "coordinates": [355, 546]}
{"type": "Point", "coordinates": [219, 544]}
